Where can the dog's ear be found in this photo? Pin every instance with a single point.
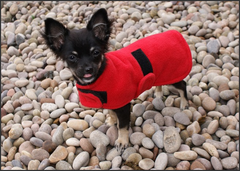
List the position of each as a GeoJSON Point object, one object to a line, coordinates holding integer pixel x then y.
{"type": "Point", "coordinates": [100, 25]}
{"type": "Point", "coordinates": [54, 34]}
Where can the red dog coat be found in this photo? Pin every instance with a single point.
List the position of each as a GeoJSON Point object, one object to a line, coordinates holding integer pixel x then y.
{"type": "Point", "coordinates": [160, 59]}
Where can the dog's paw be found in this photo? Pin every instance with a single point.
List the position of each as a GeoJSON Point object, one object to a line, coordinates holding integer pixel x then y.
{"type": "Point", "coordinates": [121, 144]}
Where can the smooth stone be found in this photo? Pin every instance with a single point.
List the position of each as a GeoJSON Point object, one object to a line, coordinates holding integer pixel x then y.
{"type": "Point", "coordinates": [198, 139]}
{"type": "Point", "coordinates": [211, 149]}
{"type": "Point", "coordinates": [33, 165]}
{"type": "Point", "coordinates": [59, 101]}
{"type": "Point", "coordinates": [193, 128]}
{"type": "Point", "coordinates": [26, 146]}
{"type": "Point", "coordinates": [77, 124]}
{"type": "Point", "coordinates": [147, 143]}
{"type": "Point", "coordinates": [138, 109]}
{"type": "Point", "coordinates": [65, 74]}
{"type": "Point", "coordinates": [105, 165]}
{"type": "Point", "coordinates": [167, 18]}
{"type": "Point", "coordinates": [212, 127]}
{"type": "Point", "coordinates": [116, 162]}
{"type": "Point", "coordinates": [229, 163]}
{"type": "Point", "coordinates": [145, 153]}
{"type": "Point", "coordinates": [149, 114]}
{"type": "Point", "coordinates": [121, 36]}
{"type": "Point", "coordinates": [158, 118]}
{"type": "Point", "coordinates": [183, 165]}
{"type": "Point", "coordinates": [36, 141]}
{"type": "Point", "coordinates": [216, 164]}
{"type": "Point", "coordinates": [112, 134]}
{"type": "Point", "coordinates": [146, 164]}
{"type": "Point", "coordinates": [213, 46]}
{"type": "Point", "coordinates": [219, 80]}
{"type": "Point", "coordinates": [70, 106]}
{"type": "Point", "coordinates": [158, 138]}
{"type": "Point", "coordinates": [136, 138]}
{"type": "Point", "coordinates": [127, 152]}
{"type": "Point", "coordinates": [158, 103]}
{"type": "Point", "coordinates": [161, 161]}
{"type": "Point", "coordinates": [86, 145]}
{"type": "Point", "coordinates": [186, 155]}
{"type": "Point", "coordinates": [43, 135]}
{"type": "Point", "coordinates": [57, 137]}
{"type": "Point", "coordinates": [73, 142]}
{"type": "Point", "coordinates": [60, 153]}
{"type": "Point", "coordinates": [112, 153]}
{"type": "Point", "coordinates": [208, 104]}
{"type": "Point", "coordinates": [214, 94]}
{"type": "Point", "coordinates": [39, 154]}
{"type": "Point", "coordinates": [197, 165]}
{"type": "Point", "coordinates": [193, 29]}
{"type": "Point", "coordinates": [171, 139]}
{"type": "Point", "coordinates": [170, 111]}
{"type": "Point", "coordinates": [15, 131]}
{"type": "Point", "coordinates": [57, 113]}
{"type": "Point", "coordinates": [134, 158]}
{"type": "Point", "coordinates": [63, 165]}
{"type": "Point", "coordinates": [201, 152]}
{"type": "Point", "coordinates": [21, 82]}
{"type": "Point", "coordinates": [148, 130]}
{"type": "Point", "coordinates": [181, 118]}
{"type": "Point", "coordinates": [97, 137]}
{"type": "Point", "coordinates": [81, 160]}
{"type": "Point", "coordinates": [227, 94]}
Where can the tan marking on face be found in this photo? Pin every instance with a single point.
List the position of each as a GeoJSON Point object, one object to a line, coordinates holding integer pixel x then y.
{"type": "Point", "coordinates": [74, 52]}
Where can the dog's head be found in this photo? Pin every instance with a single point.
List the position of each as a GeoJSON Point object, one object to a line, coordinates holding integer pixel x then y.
{"type": "Point", "coordinates": [82, 49]}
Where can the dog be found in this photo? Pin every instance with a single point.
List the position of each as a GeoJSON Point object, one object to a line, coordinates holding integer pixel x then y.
{"type": "Point", "coordinates": [86, 53]}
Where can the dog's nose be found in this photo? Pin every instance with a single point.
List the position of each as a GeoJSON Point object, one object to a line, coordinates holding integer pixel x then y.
{"type": "Point", "coordinates": [89, 70]}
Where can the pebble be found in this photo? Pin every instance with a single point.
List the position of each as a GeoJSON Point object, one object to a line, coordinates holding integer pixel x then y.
{"type": "Point", "coordinates": [211, 149]}
{"type": "Point", "coordinates": [81, 160]}
{"type": "Point", "coordinates": [39, 154]}
{"type": "Point", "coordinates": [161, 161]}
{"type": "Point", "coordinates": [186, 155]}
{"type": "Point", "coordinates": [198, 139]}
{"type": "Point", "coordinates": [229, 162]}
{"type": "Point", "coordinates": [181, 118]}
{"type": "Point", "coordinates": [146, 164]}
{"type": "Point", "coordinates": [136, 138]}
{"type": "Point", "coordinates": [99, 138]}
{"type": "Point", "coordinates": [217, 165]}
{"type": "Point", "coordinates": [60, 153]}
{"type": "Point", "coordinates": [158, 138]}
{"type": "Point", "coordinates": [171, 139]}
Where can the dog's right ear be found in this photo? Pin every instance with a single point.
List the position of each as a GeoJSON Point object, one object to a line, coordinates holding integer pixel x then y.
{"type": "Point", "coordinates": [54, 34]}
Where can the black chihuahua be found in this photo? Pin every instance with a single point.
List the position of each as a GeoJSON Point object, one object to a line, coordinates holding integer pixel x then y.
{"type": "Point", "coordinates": [84, 51]}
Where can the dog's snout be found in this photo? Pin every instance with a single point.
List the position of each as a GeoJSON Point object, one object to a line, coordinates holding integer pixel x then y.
{"type": "Point", "coordinates": [89, 70]}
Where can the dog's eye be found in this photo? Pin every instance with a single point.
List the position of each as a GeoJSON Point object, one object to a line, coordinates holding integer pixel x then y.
{"type": "Point", "coordinates": [72, 58]}
{"type": "Point", "coordinates": [96, 53]}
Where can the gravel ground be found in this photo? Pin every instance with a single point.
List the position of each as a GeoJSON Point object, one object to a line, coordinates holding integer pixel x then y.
{"type": "Point", "coordinates": [45, 127]}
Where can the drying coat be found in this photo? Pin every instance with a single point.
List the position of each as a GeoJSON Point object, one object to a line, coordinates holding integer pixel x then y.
{"type": "Point", "coordinates": [159, 59]}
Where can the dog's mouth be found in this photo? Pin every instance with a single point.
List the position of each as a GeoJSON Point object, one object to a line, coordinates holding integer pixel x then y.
{"type": "Point", "coordinates": [88, 78]}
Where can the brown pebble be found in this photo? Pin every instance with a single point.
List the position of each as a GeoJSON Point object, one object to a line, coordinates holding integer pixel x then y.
{"type": "Point", "coordinates": [196, 164]}
{"type": "Point", "coordinates": [155, 152]}
{"type": "Point", "coordinates": [49, 146]}
{"type": "Point", "coordinates": [47, 100]}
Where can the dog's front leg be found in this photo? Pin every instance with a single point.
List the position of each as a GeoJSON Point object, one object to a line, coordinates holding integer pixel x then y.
{"type": "Point", "coordinates": [158, 92]}
{"type": "Point", "coordinates": [123, 120]}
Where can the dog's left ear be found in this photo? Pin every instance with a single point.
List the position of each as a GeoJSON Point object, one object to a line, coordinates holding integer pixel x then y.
{"type": "Point", "coordinates": [100, 25]}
